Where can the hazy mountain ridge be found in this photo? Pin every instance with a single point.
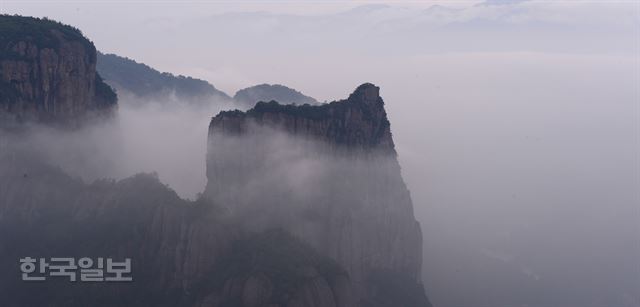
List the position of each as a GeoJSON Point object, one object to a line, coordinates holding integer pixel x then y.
{"type": "Point", "coordinates": [146, 82]}
{"type": "Point", "coordinates": [267, 92]}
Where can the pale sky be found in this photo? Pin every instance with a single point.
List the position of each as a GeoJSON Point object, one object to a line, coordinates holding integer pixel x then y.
{"type": "Point", "coordinates": [234, 44]}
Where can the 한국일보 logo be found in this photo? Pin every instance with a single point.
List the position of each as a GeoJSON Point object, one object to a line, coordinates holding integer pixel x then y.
{"type": "Point", "coordinates": [84, 269]}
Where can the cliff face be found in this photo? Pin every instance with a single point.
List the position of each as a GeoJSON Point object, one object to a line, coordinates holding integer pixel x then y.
{"type": "Point", "coordinates": [48, 71]}
{"type": "Point", "coordinates": [183, 253]}
{"type": "Point", "coordinates": [329, 175]}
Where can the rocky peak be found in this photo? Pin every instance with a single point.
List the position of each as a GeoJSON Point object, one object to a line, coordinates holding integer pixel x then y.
{"type": "Point", "coordinates": [367, 93]}
{"type": "Point", "coordinates": [329, 175]}
{"type": "Point", "coordinates": [48, 72]}
{"type": "Point", "coordinates": [357, 122]}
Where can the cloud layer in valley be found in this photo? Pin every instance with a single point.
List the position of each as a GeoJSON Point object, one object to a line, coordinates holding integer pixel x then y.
{"type": "Point", "coordinates": [517, 123]}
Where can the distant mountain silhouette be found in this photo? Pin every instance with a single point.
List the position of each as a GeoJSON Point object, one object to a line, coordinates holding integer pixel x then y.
{"type": "Point", "coordinates": [127, 75]}
{"type": "Point", "coordinates": [267, 92]}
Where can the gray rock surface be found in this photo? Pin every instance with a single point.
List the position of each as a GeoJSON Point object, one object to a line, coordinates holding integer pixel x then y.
{"type": "Point", "coordinates": [327, 174]}
{"type": "Point", "coordinates": [48, 72]}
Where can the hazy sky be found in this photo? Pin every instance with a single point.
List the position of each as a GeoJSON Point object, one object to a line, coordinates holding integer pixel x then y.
{"type": "Point", "coordinates": [238, 44]}
{"type": "Point", "coordinates": [517, 122]}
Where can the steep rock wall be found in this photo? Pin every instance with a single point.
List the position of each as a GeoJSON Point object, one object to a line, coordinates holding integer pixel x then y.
{"type": "Point", "coordinates": [328, 174]}
{"type": "Point", "coordinates": [48, 72]}
{"type": "Point", "coordinates": [182, 253]}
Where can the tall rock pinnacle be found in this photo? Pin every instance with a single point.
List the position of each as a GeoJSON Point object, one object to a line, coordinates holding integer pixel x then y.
{"type": "Point", "coordinates": [329, 175]}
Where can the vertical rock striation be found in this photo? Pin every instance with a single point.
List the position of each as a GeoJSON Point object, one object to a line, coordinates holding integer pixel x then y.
{"type": "Point", "coordinates": [183, 253]}
{"type": "Point", "coordinates": [328, 174]}
{"type": "Point", "coordinates": [48, 72]}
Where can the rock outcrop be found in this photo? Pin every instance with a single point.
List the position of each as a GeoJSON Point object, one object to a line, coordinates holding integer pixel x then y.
{"type": "Point", "coordinates": [48, 72]}
{"type": "Point", "coordinates": [329, 175]}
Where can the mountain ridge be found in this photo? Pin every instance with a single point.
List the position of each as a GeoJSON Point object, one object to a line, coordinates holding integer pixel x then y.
{"type": "Point", "coordinates": [267, 92]}
{"type": "Point", "coordinates": [144, 81]}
